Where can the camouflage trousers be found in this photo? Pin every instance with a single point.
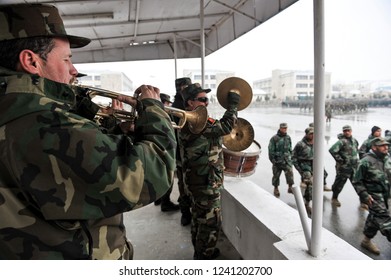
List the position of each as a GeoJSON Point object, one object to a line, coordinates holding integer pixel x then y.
{"type": "Point", "coordinates": [340, 181]}
{"type": "Point", "coordinates": [378, 218]}
{"type": "Point", "coordinates": [277, 170]}
{"type": "Point", "coordinates": [184, 198]}
{"type": "Point", "coordinates": [206, 219]}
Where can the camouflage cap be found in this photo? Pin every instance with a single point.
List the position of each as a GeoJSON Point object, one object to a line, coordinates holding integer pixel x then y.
{"type": "Point", "coordinates": [34, 20]}
{"type": "Point", "coordinates": [379, 141]}
{"type": "Point", "coordinates": [346, 127]}
{"type": "Point", "coordinates": [192, 90]}
{"type": "Point", "coordinates": [283, 125]}
{"type": "Point", "coordinates": [182, 82]}
{"type": "Point", "coordinates": [309, 130]}
{"type": "Point", "coordinates": [165, 98]}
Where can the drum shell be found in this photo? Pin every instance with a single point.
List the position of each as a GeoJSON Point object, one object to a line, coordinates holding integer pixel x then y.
{"type": "Point", "coordinates": [241, 163]}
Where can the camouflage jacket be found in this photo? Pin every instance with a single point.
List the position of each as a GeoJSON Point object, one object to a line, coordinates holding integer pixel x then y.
{"type": "Point", "coordinates": [345, 152]}
{"type": "Point", "coordinates": [63, 183]}
{"type": "Point", "coordinates": [280, 149]}
{"type": "Point", "coordinates": [303, 156]}
{"type": "Point", "coordinates": [365, 146]}
{"type": "Point", "coordinates": [388, 139]}
{"type": "Point", "coordinates": [203, 163]}
{"type": "Point", "coordinates": [373, 177]}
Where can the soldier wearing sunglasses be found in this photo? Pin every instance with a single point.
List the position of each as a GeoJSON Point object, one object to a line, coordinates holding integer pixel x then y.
{"type": "Point", "coordinates": [203, 168]}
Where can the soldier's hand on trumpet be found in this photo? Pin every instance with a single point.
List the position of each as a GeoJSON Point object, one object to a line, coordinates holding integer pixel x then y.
{"type": "Point", "coordinates": [142, 92]}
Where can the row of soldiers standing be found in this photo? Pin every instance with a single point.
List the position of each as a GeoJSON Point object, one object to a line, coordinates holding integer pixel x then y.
{"type": "Point", "coordinates": [368, 167]}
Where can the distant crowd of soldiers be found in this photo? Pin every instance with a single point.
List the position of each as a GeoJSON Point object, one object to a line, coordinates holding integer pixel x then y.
{"type": "Point", "coordinates": [335, 107]}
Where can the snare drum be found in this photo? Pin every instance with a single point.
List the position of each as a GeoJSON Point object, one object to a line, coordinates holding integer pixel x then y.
{"type": "Point", "coordinates": [241, 163]}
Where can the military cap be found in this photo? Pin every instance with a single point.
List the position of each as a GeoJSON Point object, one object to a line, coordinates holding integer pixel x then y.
{"type": "Point", "coordinates": [34, 20]}
{"type": "Point", "coordinates": [309, 130]}
{"type": "Point", "coordinates": [192, 90]}
{"type": "Point", "coordinates": [379, 141]}
{"type": "Point", "coordinates": [182, 82]}
{"type": "Point", "coordinates": [283, 125]}
{"type": "Point", "coordinates": [165, 98]}
{"type": "Point", "coordinates": [346, 127]}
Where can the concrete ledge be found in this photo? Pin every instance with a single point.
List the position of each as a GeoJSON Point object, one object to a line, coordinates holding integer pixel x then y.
{"type": "Point", "coordinates": [261, 226]}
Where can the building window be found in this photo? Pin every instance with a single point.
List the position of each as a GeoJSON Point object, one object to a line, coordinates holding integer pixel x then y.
{"type": "Point", "coordinates": [197, 77]}
{"type": "Point", "coordinates": [301, 85]}
{"type": "Point", "coordinates": [213, 77]}
{"type": "Point", "coordinates": [302, 77]}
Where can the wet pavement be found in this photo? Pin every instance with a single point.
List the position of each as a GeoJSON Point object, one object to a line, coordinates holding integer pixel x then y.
{"type": "Point", "coordinates": [346, 221]}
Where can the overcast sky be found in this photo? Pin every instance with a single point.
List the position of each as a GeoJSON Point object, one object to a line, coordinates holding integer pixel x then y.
{"type": "Point", "coordinates": [357, 47]}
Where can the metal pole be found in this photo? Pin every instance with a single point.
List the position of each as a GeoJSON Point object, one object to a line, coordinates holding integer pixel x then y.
{"type": "Point", "coordinates": [319, 127]}
{"type": "Point", "coordinates": [202, 39]}
{"type": "Point", "coordinates": [175, 57]}
{"type": "Point", "coordinates": [303, 214]}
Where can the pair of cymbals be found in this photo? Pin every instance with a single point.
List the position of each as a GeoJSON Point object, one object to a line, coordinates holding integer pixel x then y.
{"type": "Point", "coordinates": [238, 85]}
{"type": "Point", "coordinates": [241, 136]}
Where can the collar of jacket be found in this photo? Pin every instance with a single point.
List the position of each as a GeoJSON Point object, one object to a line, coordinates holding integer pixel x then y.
{"type": "Point", "coordinates": [22, 93]}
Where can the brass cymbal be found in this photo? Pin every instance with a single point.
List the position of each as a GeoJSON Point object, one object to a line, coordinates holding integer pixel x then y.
{"type": "Point", "coordinates": [237, 85]}
{"type": "Point", "coordinates": [241, 136]}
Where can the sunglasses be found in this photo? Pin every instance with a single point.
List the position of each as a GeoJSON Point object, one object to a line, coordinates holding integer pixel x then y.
{"type": "Point", "coordinates": [201, 99]}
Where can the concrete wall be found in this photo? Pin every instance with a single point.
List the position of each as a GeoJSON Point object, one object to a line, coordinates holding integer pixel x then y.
{"type": "Point", "coordinates": [263, 227]}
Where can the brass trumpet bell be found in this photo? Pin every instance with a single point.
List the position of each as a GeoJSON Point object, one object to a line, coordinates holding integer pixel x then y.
{"type": "Point", "coordinates": [238, 85]}
{"type": "Point", "coordinates": [195, 119]}
{"type": "Point", "coordinates": [241, 136]}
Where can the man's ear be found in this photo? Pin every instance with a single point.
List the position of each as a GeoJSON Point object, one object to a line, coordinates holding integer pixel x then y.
{"type": "Point", "coordinates": [28, 62]}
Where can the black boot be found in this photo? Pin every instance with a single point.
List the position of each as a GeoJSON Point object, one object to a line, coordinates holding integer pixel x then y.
{"type": "Point", "coordinates": [200, 256]}
{"type": "Point", "coordinates": [169, 206]}
{"type": "Point", "coordinates": [158, 201]}
{"type": "Point", "coordinates": [186, 217]}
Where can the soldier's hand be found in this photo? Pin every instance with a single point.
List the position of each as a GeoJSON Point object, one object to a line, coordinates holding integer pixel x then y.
{"type": "Point", "coordinates": [233, 99]}
{"type": "Point", "coordinates": [147, 91]}
{"type": "Point", "coordinates": [370, 200]}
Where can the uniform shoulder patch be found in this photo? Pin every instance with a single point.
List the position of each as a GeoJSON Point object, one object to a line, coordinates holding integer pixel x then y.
{"type": "Point", "coordinates": [211, 121]}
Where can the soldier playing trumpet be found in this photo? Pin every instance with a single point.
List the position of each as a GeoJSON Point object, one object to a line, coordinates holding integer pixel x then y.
{"type": "Point", "coordinates": [64, 184]}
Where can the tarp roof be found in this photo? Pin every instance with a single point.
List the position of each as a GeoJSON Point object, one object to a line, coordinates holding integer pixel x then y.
{"type": "Point", "coordinates": [130, 30]}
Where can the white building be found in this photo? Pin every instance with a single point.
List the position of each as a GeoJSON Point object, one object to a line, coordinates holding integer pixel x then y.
{"type": "Point", "coordinates": [108, 80]}
{"type": "Point", "coordinates": [212, 77]}
{"type": "Point", "coordinates": [289, 85]}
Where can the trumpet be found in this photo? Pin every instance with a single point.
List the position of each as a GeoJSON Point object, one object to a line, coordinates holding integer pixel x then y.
{"type": "Point", "coordinates": [195, 119]}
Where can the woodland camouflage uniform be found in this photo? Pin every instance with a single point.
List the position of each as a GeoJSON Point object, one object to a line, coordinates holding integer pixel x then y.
{"type": "Point", "coordinates": [203, 168]}
{"type": "Point", "coordinates": [303, 156]}
{"type": "Point", "coordinates": [373, 177]}
{"type": "Point", "coordinates": [365, 146]}
{"type": "Point", "coordinates": [64, 184]}
{"type": "Point", "coordinates": [345, 153]}
{"type": "Point", "coordinates": [280, 155]}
